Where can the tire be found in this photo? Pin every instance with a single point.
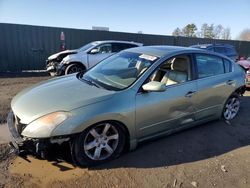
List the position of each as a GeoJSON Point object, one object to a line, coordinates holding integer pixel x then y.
{"type": "Point", "coordinates": [231, 107]}
{"type": "Point", "coordinates": [73, 68]}
{"type": "Point", "coordinates": [98, 144]}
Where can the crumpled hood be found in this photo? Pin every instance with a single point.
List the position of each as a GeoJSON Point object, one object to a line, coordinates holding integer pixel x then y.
{"type": "Point", "coordinates": [59, 94]}
{"type": "Point", "coordinates": [65, 52]}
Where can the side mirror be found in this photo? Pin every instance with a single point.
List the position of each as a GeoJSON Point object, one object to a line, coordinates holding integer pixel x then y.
{"type": "Point", "coordinates": [154, 86]}
{"type": "Point", "coordinates": [94, 51]}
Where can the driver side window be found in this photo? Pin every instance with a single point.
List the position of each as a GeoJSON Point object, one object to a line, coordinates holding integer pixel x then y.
{"type": "Point", "coordinates": [173, 71]}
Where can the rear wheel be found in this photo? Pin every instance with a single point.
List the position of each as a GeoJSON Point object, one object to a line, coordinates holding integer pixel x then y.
{"type": "Point", "coordinates": [73, 68]}
{"type": "Point", "coordinates": [98, 144]}
{"type": "Point", "coordinates": [231, 107]}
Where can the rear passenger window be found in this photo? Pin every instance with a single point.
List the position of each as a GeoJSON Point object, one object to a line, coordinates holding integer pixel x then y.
{"type": "Point", "coordinates": [209, 65]}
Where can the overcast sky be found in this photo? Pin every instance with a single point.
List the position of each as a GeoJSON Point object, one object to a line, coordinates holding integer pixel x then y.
{"type": "Point", "coordinates": [151, 17]}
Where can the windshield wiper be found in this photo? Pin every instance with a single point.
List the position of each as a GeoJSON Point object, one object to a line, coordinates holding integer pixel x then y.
{"type": "Point", "coordinates": [90, 82]}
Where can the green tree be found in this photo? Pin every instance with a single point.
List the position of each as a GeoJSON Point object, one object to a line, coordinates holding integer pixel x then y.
{"type": "Point", "coordinates": [207, 31]}
{"type": "Point", "coordinates": [189, 30]}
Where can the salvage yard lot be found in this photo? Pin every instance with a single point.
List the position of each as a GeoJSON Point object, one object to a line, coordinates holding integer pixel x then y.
{"type": "Point", "coordinates": [215, 154]}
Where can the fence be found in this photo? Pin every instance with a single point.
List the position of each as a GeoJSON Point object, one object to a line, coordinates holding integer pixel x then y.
{"type": "Point", "coordinates": [24, 47]}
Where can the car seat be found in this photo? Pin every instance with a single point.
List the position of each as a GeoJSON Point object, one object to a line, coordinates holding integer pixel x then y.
{"type": "Point", "coordinates": [178, 72]}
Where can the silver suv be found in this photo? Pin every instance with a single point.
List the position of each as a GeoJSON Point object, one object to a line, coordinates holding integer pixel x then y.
{"type": "Point", "coordinates": [71, 61]}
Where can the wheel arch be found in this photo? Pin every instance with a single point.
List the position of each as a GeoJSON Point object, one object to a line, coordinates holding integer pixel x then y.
{"type": "Point", "coordinates": [126, 131]}
{"type": "Point", "coordinates": [240, 90]}
{"type": "Point", "coordinates": [236, 92]}
{"type": "Point", "coordinates": [77, 63]}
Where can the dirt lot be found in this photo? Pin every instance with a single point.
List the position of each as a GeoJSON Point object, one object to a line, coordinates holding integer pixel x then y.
{"type": "Point", "coordinates": [9, 87]}
{"type": "Point", "coordinates": [211, 155]}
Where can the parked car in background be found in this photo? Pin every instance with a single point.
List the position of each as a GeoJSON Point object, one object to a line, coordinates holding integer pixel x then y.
{"type": "Point", "coordinates": [132, 96]}
{"type": "Point", "coordinates": [225, 49]}
{"type": "Point", "coordinates": [71, 61]}
{"type": "Point", "coordinates": [245, 63]}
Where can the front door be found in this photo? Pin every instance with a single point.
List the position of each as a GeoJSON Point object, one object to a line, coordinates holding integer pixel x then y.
{"type": "Point", "coordinates": [103, 51]}
{"type": "Point", "coordinates": [158, 112]}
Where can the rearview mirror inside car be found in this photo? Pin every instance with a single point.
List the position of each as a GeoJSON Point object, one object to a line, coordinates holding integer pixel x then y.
{"type": "Point", "coordinates": [154, 86]}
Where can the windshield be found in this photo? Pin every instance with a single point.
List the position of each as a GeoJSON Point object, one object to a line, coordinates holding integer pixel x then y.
{"type": "Point", "coordinates": [86, 47]}
{"type": "Point", "coordinates": [120, 70]}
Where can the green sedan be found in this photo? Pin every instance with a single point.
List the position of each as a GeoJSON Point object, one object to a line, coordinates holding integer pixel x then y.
{"type": "Point", "coordinates": [130, 97]}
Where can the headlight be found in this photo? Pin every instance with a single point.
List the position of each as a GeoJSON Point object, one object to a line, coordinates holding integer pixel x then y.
{"type": "Point", "coordinates": [43, 126]}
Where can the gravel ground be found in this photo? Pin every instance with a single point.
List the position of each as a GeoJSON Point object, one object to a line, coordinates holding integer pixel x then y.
{"type": "Point", "coordinates": [211, 155]}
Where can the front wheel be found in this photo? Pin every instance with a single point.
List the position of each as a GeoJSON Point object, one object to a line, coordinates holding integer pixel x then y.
{"type": "Point", "coordinates": [98, 144]}
{"type": "Point", "coordinates": [73, 68]}
{"type": "Point", "coordinates": [231, 107]}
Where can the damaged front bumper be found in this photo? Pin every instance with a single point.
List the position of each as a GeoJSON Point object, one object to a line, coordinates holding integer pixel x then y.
{"type": "Point", "coordinates": [36, 146]}
{"type": "Point", "coordinates": [54, 67]}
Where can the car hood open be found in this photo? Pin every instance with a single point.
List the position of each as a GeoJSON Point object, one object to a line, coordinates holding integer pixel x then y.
{"type": "Point", "coordinates": [59, 94]}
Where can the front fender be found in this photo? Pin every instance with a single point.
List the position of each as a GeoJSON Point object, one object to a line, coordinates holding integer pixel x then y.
{"type": "Point", "coordinates": [79, 57]}
{"type": "Point", "coordinates": [110, 110]}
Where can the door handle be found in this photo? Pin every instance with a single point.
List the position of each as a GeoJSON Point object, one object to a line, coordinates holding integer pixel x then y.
{"type": "Point", "coordinates": [230, 82]}
{"type": "Point", "coordinates": [190, 93]}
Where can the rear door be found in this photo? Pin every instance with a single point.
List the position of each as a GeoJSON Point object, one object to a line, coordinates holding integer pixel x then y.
{"type": "Point", "coordinates": [213, 83]}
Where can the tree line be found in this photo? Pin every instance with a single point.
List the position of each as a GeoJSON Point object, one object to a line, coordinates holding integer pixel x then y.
{"type": "Point", "coordinates": [210, 31]}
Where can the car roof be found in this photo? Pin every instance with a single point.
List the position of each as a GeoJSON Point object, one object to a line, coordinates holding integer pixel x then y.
{"type": "Point", "coordinates": [162, 50]}
{"type": "Point", "coordinates": [117, 41]}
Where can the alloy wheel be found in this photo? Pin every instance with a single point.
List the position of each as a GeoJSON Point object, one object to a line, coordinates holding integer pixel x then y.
{"type": "Point", "coordinates": [231, 108]}
{"type": "Point", "coordinates": [101, 141]}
